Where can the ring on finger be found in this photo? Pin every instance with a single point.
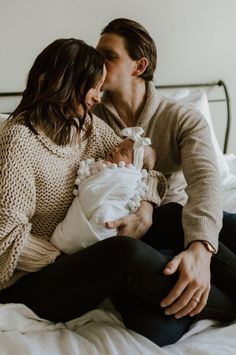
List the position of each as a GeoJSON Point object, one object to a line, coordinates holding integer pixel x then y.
{"type": "Point", "coordinates": [195, 299]}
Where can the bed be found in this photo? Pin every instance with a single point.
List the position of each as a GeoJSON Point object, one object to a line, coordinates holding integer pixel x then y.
{"type": "Point", "coordinates": [101, 331]}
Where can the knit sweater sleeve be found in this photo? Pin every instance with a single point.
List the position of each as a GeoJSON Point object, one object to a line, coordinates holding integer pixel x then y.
{"type": "Point", "coordinates": [202, 214]}
{"type": "Point", "coordinates": [157, 187]}
{"type": "Point", "coordinates": [17, 206]}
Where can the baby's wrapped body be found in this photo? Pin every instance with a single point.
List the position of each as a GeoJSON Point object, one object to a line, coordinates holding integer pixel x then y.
{"type": "Point", "coordinates": [106, 192]}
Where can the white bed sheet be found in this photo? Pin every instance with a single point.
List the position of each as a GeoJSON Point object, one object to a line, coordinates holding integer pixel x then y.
{"type": "Point", "coordinates": [100, 332]}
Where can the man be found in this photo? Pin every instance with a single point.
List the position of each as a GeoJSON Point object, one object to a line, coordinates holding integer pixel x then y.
{"type": "Point", "coordinates": [185, 155]}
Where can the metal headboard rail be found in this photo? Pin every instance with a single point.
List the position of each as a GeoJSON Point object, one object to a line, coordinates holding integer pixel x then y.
{"type": "Point", "coordinates": [178, 86]}
{"type": "Point", "coordinates": [5, 94]}
{"type": "Point", "coordinates": [227, 100]}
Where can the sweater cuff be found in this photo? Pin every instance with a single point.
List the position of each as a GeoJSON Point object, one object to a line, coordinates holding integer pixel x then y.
{"type": "Point", "coordinates": [201, 230]}
{"type": "Point", "coordinates": [157, 187]}
{"type": "Point", "coordinates": [36, 253]}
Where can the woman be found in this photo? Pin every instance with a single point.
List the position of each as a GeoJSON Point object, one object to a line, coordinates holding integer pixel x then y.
{"type": "Point", "coordinates": [47, 135]}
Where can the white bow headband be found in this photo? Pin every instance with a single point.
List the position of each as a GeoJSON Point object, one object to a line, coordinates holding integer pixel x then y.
{"type": "Point", "coordinates": [134, 133]}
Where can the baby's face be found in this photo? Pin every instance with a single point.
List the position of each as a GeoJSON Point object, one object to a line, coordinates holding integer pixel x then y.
{"type": "Point", "coordinates": [123, 152]}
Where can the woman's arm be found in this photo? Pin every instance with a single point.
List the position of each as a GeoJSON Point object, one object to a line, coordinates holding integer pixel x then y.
{"type": "Point", "coordinates": [157, 187]}
{"type": "Point", "coordinates": [136, 224]}
{"type": "Point", "coordinates": [17, 206]}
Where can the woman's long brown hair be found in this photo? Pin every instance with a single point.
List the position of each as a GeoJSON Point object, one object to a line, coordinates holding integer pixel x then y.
{"type": "Point", "coordinates": [57, 84]}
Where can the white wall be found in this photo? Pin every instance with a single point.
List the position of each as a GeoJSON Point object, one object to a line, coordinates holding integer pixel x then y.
{"type": "Point", "coordinates": [195, 39]}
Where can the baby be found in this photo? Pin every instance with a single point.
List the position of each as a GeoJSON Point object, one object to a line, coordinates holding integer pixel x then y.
{"type": "Point", "coordinates": [107, 190]}
{"type": "Point", "coordinates": [125, 153]}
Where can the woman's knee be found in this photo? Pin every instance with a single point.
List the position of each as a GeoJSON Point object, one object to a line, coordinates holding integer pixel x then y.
{"type": "Point", "coordinates": [151, 322]}
{"type": "Point", "coordinates": [125, 248]}
{"type": "Point", "coordinates": [130, 251]}
{"type": "Point", "coordinates": [137, 256]}
{"type": "Point", "coordinates": [227, 233]}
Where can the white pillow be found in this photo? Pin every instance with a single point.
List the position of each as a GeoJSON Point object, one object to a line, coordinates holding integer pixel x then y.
{"type": "Point", "coordinates": [197, 99]}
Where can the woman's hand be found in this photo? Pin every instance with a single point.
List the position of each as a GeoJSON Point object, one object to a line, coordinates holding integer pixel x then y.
{"type": "Point", "coordinates": [190, 293]}
{"type": "Point", "coordinates": [135, 225]}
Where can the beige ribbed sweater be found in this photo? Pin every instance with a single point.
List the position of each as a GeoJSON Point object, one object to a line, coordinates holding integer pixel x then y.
{"type": "Point", "coordinates": [36, 185]}
{"type": "Point", "coordinates": [185, 155]}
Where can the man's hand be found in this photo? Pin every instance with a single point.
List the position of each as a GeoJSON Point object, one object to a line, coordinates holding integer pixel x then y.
{"type": "Point", "coordinates": [190, 293]}
{"type": "Point", "coordinates": [135, 225]}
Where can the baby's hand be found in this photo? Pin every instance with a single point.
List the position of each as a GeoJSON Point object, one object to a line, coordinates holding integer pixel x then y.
{"type": "Point", "coordinates": [98, 166]}
{"type": "Point", "coordinates": [108, 163]}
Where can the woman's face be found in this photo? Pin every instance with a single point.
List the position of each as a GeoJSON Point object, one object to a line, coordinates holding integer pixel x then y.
{"type": "Point", "coordinates": [93, 96]}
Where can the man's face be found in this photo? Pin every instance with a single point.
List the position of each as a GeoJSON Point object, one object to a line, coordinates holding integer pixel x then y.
{"type": "Point", "coordinates": [120, 66]}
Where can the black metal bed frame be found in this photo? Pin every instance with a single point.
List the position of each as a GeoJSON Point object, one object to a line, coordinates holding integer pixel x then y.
{"type": "Point", "coordinates": [178, 86]}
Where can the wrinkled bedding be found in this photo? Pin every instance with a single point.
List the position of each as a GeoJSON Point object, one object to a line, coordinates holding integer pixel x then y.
{"type": "Point", "coordinates": [101, 332]}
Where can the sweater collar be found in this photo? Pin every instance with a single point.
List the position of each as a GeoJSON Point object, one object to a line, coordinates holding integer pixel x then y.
{"type": "Point", "coordinates": [150, 107]}
{"type": "Point", "coordinates": [61, 151]}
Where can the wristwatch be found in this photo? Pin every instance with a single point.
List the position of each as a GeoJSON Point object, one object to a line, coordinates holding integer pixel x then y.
{"type": "Point", "coordinates": [208, 246]}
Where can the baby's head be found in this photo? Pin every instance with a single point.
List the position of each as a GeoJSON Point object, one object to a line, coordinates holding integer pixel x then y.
{"type": "Point", "coordinates": [142, 156]}
{"type": "Point", "coordinates": [122, 152]}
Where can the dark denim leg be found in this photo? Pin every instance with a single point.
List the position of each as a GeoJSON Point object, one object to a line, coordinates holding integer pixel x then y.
{"type": "Point", "coordinates": [150, 321]}
{"type": "Point", "coordinates": [220, 306]}
{"type": "Point", "coordinates": [223, 270]}
{"type": "Point", "coordinates": [166, 231]}
{"type": "Point", "coordinates": [166, 234]}
{"type": "Point", "coordinates": [228, 232]}
{"type": "Point", "coordinates": [221, 303]}
{"type": "Point", "coordinates": [76, 283]}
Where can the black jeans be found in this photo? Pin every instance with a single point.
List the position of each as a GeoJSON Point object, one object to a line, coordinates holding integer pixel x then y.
{"type": "Point", "coordinates": [131, 271]}
{"type": "Point", "coordinates": [167, 236]}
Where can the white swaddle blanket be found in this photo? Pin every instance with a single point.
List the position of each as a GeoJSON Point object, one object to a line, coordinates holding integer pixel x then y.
{"type": "Point", "coordinates": [105, 193]}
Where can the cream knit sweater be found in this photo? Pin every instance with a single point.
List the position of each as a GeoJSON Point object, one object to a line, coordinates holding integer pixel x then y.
{"type": "Point", "coordinates": [36, 185]}
{"type": "Point", "coordinates": [185, 155]}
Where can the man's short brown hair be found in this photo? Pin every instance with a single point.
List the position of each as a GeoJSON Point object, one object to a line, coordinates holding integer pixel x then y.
{"type": "Point", "coordinates": [138, 42]}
